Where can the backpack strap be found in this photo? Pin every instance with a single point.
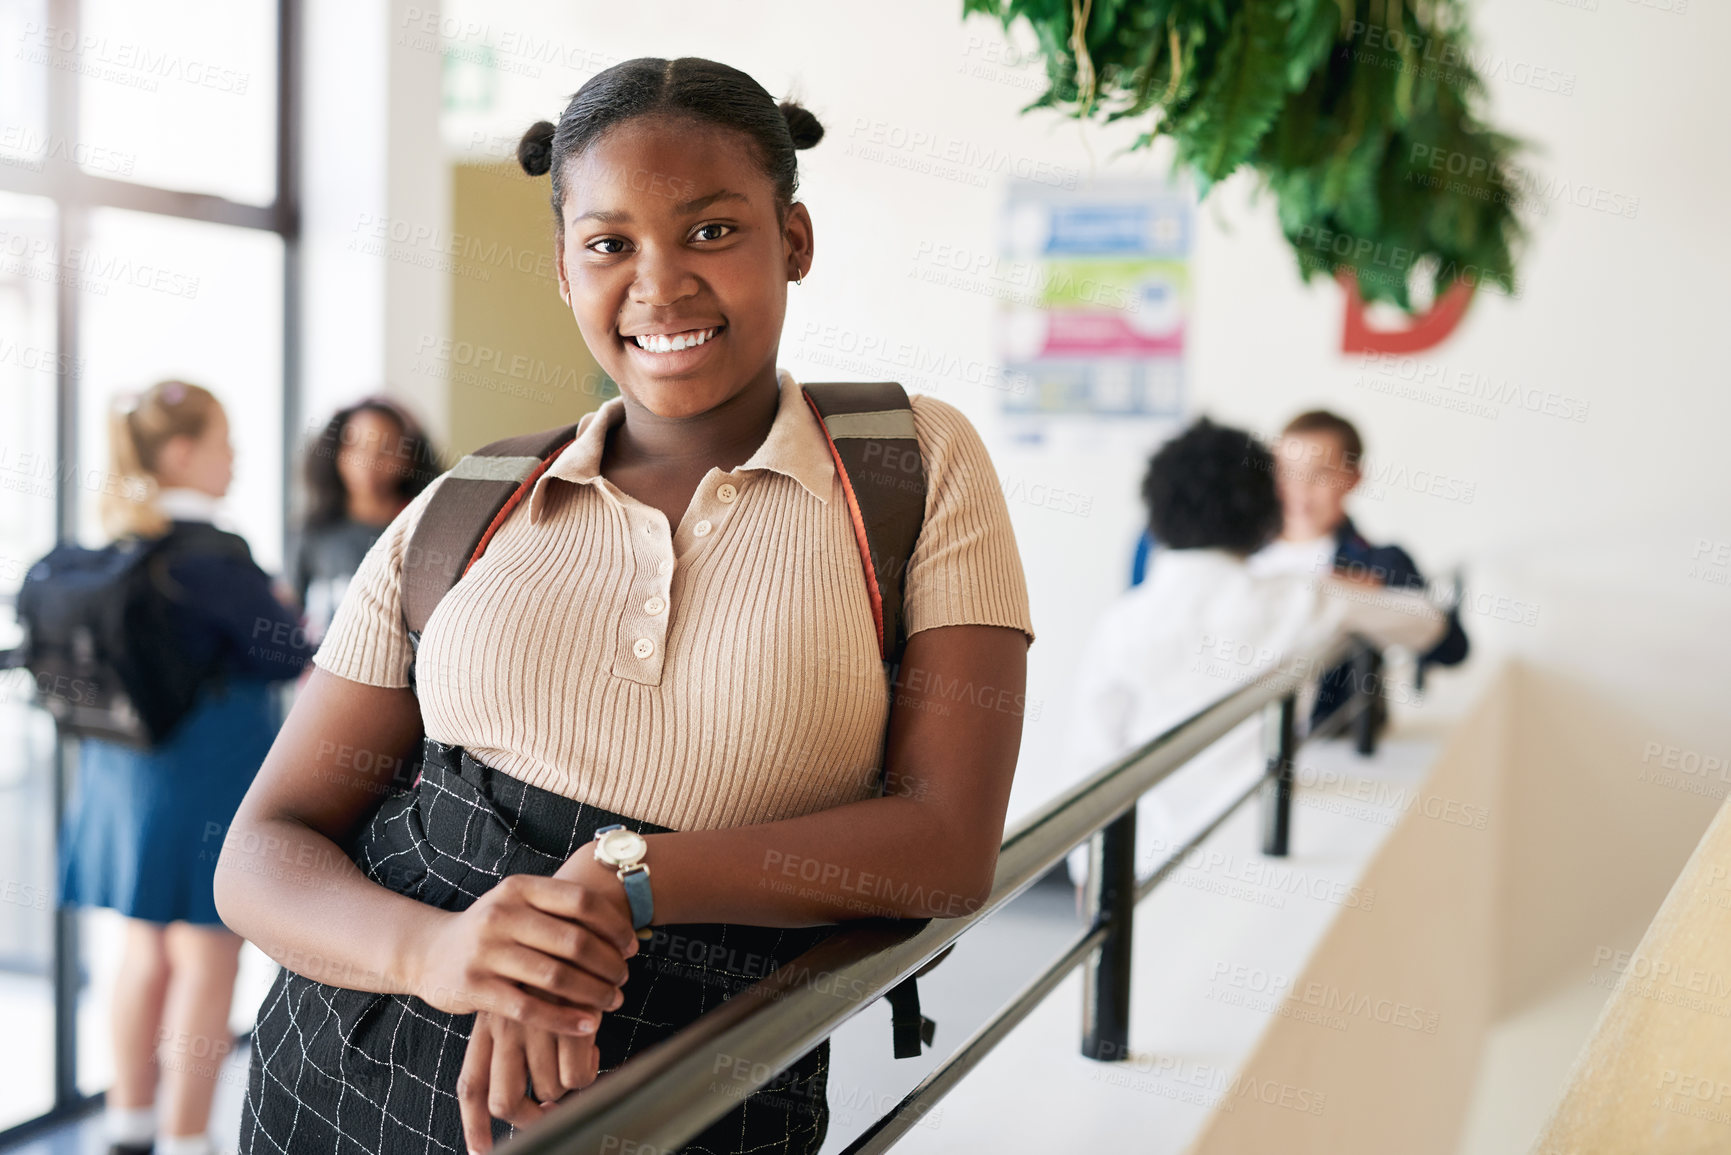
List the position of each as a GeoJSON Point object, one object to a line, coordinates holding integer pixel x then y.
{"type": "Point", "coordinates": [471, 503]}
{"type": "Point", "coordinates": [870, 429]}
{"type": "Point", "coordinates": [871, 433]}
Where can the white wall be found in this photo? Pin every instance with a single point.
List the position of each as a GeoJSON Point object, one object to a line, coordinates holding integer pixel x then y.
{"type": "Point", "coordinates": [373, 170]}
{"type": "Point", "coordinates": [1591, 522]}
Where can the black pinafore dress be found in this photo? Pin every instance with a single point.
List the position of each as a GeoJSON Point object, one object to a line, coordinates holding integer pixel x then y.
{"type": "Point", "coordinates": [341, 1072]}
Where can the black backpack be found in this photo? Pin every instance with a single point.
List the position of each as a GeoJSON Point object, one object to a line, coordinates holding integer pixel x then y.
{"type": "Point", "coordinates": [100, 637]}
{"type": "Point", "coordinates": [869, 426]}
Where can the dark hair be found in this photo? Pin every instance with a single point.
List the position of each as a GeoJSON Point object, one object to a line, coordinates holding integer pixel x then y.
{"type": "Point", "coordinates": [1212, 487]}
{"type": "Point", "coordinates": [1322, 421]}
{"type": "Point", "coordinates": [691, 88]}
{"type": "Point", "coordinates": [327, 498]}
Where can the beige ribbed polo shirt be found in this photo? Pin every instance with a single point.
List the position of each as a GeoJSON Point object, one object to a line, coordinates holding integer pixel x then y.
{"type": "Point", "coordinates": [717, 673]}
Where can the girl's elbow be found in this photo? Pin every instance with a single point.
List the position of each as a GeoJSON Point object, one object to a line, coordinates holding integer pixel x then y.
{"type": "Point", "coordinates": [227, 908]}
{"type": "Point", "coordinates": [968, 891]}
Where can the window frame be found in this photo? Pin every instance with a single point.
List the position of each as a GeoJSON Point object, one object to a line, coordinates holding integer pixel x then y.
{"type": "Point", "coordinates": [76, 194]}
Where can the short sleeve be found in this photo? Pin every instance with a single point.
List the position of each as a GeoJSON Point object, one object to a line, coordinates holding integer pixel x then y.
{"type": "Point", "coordinates": [368, 641]}
{"type": "Point", "coordinates": [966, 570]}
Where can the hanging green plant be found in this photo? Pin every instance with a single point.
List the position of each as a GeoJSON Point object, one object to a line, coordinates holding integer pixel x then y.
{"type": "Point", "coordinates": [1361, 116]}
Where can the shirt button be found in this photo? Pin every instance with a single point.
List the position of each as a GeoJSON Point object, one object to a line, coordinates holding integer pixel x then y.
{"type": "Point", "coordinates": [654, 606]}
{"type": "Point", "coordinates": [643, 647]}
{"type": "Point", "coordinates": [725, 494]}
{"type": "Point", "coordinates": [702, 528]}
{"type": "Point", "coordinates": [663, 567]}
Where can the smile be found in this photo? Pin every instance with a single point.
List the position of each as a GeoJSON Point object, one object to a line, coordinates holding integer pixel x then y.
{"type": "Point", "coordinates": [674, 342]}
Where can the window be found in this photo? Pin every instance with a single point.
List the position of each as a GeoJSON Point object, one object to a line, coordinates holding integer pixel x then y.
{"type": "Point", "coordinates": [113, 277]}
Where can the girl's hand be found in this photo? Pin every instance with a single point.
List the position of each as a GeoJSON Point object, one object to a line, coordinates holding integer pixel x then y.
{"type": "Point", "coordinates": [526, 949]}
{"type": "Point", "coordinates": [515, 1073]}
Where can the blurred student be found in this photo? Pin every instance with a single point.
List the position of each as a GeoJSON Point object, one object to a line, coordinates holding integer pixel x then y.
{"type": "Point", "coordinates": [368, 463]}
{"type": "Point", "coordinates": [1204, 623]}
{"type": "Point", "coordinates": [1318, 463]}
{"type": "Point", "coordinates": [145, 826]}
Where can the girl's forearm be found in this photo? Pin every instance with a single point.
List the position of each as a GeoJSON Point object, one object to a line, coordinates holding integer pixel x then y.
{"type": "Point", "coordinates": [296, 896]}
{"type": "Point", "coordinates": [882, 858]}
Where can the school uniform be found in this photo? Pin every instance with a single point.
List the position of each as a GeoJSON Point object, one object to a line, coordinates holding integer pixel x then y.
{"type": "Point", "coordinates": [600, 664]}
{"type": "Point", "coordinates": [144, 828]}
{"type": "Point", "coordinates": [325, 558]}
{"type": "Point", "coordinates": [1391, 565]}
{"type": "Point", "coordinates": [1202, 624]}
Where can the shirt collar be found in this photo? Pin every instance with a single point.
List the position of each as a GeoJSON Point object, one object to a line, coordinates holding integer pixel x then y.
{"type": "Point", "coordinates": [796, 447]}
{"type": "Point", "coordinates": [180, 504]}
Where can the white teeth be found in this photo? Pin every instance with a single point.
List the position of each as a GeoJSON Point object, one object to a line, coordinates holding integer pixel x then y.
{"type": "Point", "coordinates": [662, 343]}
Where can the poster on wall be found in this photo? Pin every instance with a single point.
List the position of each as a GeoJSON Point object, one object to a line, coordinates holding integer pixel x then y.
{"type": "Point", "coordinates": [1100, 332]}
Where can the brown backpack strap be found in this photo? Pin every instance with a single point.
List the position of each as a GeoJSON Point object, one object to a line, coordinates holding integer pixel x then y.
{"type": "Point", "coordinates": [472, 501]}
{"type": "Point", "coordinates": [870, 428]}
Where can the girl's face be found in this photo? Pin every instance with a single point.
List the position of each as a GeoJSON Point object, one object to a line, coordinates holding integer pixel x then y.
{"type": "Point", "coordinates": [204, 463]}
{"type": "Point", "coordinates": [370, 457]}
{"type": "Point", "coordinates": [671, 239]}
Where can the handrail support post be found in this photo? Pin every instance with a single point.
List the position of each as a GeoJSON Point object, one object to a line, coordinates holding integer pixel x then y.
{"type": "Point", "coordinates": [1280, 738]}
{"type": "Point", "coordinates": [1367, 682]}
{"type": "Point", "coordinates": [1112, 900]}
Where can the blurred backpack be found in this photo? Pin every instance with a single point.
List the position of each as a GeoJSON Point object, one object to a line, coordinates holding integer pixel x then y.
{"type": "Point", "coordinates": [871, 435]}
{"type": "Point", "coordinates": [100, 638]}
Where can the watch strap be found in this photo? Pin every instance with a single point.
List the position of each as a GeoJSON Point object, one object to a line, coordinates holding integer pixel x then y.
{"type": "Point", "coordinates": [638, 895]}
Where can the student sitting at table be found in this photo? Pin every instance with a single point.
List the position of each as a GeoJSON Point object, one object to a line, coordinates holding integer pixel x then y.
{"type": "Point", "coordinates": [1205, 622]}
{"type": "Point", "coordinates": [1318, 463]}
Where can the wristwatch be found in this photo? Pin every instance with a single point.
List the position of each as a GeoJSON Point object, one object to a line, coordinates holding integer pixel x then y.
{"type": "Point", "coordinates": [623, 850]}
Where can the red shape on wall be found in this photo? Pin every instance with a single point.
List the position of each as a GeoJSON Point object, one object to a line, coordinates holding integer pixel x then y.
{"type": "Point", "coordinates": [1427, 329]}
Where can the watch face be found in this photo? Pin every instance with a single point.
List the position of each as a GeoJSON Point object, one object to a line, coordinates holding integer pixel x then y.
{"type": "Point", "coordinates": [620, 847]}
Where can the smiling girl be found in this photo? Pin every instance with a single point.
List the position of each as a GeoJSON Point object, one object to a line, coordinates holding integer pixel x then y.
{"type": "Point", "coordinates": [671, 635]}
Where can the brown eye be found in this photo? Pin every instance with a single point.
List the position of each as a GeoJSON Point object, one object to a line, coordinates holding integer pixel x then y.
{"type": "Point", "coordinates": [595, 246]}
{"type": "Point", "coordinates": [711, 232]}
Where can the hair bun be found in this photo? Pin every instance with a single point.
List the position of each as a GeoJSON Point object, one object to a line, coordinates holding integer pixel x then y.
{"type": "Point", "coordinates": [801, 125]}
{"type": "Point", "coordinates": [535, 150]}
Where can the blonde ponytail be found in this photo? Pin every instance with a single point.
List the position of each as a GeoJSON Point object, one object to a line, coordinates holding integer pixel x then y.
{"type": "Point", "coordinates": [138, 427]}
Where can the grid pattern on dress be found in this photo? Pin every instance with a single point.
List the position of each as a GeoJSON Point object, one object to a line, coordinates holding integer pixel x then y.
{"type": "Point", "coordinates": [337, 1071]}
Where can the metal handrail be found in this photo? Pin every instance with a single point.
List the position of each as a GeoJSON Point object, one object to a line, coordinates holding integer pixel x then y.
{"type": "Point", "coordinates": [661, 1098]}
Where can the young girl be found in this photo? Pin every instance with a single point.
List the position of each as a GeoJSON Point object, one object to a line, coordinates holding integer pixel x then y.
{"type": "Point", "coordinates": [369, 461]}
{"type": "Point", "coordinates": [145, 827]}
{"type": "Point", "coordinates": [672, 634]}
